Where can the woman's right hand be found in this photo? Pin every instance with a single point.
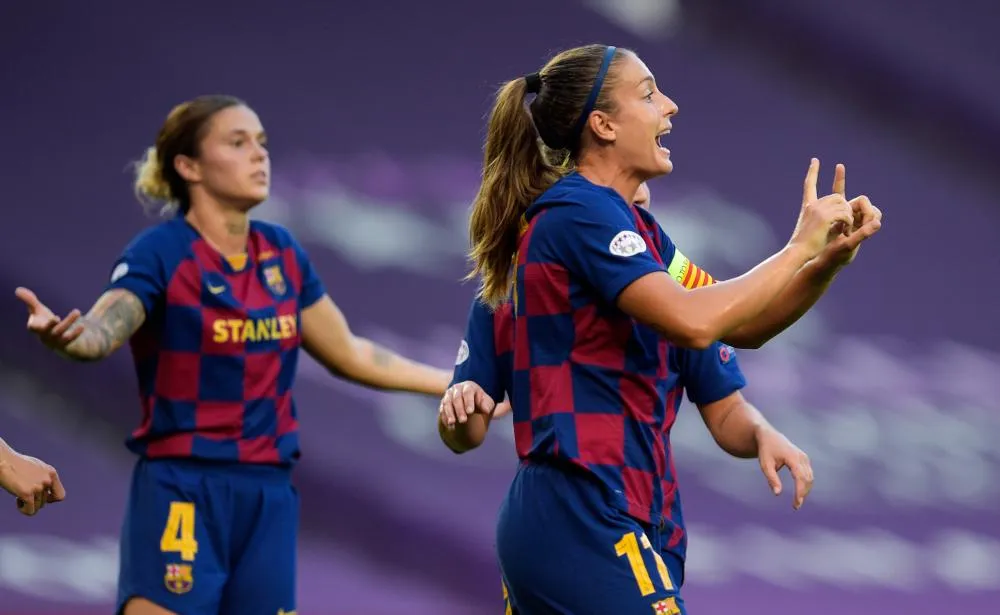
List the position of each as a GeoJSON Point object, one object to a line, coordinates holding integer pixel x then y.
{"type": "Point", "coordinates": [821, 220]}
{"type": "Point", "coordinates": [56, 333]}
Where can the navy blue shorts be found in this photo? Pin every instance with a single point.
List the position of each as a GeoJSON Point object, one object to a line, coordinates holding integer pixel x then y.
{"type": "Point", "coordinates": [210, 539]}
{"type": "Point", "coordinates": [565, 550]}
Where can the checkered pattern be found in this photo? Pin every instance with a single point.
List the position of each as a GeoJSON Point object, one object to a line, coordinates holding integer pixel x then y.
{"type": "Point", "coordinates": [217, 355]}
{"type": "Point", "coordinates": [599, 389]}
{"type": "Point", "coordinates": [709, 375]}
{"type": "Point", "coordinates": [503, 342]}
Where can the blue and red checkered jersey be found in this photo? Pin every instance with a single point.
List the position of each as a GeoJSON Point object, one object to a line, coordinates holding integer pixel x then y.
{"type": "Point", "coordinates": [708, 376]}
{"type": "Point", "coordinates": [591, 385]}
{"type": "Point", "coordinates": [217, 353]}
{"type": "Point", "coordinates": [486, 353]}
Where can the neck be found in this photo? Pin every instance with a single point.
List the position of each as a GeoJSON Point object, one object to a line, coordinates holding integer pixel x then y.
{"type": "Point", "coordinates": [604, 173]}
{"type": "Point", "coordinates": [225, 229]}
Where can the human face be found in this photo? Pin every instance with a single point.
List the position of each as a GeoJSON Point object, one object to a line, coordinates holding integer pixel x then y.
{"type": "Point", "coordinates": [642, 116]}
{"type": "Point", "coordinates": [233, 165]}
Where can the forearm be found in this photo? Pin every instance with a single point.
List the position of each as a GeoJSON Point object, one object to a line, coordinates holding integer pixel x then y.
{"type": "Point", "coordinates": [797, 298]}
{"type": "Point", "coordinates": [737, 430]}
{"type": "Point", "coordinates": [93, 344]}
{"type": "Point", "coordinates": [6, 452]}
{"type": "Point", "coordinates": [375, 366]}
{"type": "Point", "coordinates": [106, 327]}
{"type": "Point", "coordinates": [736, 302]}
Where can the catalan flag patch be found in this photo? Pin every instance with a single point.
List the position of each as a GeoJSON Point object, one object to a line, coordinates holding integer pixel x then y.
{"type": "Point", "coordinates": [687, 273]}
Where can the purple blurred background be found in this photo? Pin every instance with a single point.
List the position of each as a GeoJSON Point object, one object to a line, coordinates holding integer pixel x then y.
{"type": "Point", "coordinates": [375, 111]}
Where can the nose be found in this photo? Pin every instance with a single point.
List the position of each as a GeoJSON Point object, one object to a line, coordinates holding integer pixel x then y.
{"type": "Point", "coordinates": [259, 151]}
{"type": "Point", "coordinates": [670, 108]}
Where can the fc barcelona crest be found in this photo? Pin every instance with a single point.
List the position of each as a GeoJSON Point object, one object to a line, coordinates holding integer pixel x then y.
{"type": "Point", "coordinates": [275, 281]}
{"type": "Point", "coordinates": [178, 579]}
{"type": "Point", "coordinates": [666, 607]}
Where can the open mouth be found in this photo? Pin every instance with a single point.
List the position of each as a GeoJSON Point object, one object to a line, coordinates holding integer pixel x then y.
{"type": "Point", "coordinates": [659, 143]}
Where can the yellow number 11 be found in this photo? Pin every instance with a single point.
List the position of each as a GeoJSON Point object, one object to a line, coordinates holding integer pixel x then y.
{"type": "Point", "coordinates": [629, 547]}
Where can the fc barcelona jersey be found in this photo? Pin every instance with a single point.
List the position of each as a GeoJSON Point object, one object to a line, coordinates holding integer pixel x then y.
{"type": "Point", "coordinates": [217, 353]}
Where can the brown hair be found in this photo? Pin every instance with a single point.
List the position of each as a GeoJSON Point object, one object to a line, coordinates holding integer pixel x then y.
{"type": "Point", "coordinates": [528, 148]}
{"type": "Point", "coordinates": [156, 177]}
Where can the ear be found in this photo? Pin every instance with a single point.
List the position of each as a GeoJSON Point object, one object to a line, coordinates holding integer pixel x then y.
{"type": "Point", "coordinates": [188, 168]}
{"type": "Point", "coordinates": [603, 127]}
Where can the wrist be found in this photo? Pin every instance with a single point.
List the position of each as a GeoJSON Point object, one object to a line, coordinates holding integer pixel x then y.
{"type": "Point", "coordinates": [439, 382]}
{"type": "Point", "coordinates": [798, 253]}
{"type": "Point", "coordinates": [760, 431]}
{"type": "Point", "coordinates": [826, 266]}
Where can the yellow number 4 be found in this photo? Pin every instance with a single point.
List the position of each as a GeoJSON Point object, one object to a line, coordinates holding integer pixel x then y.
{"type": "Point", "coordinates": [629, 547]}
{"type": "Point", "coordinates": [178, 535]}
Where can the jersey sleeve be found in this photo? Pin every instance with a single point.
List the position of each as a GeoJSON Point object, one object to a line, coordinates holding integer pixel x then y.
{"type": "Point", "coordinates": [312, 287]}
{"type": "Point", "coordinates": [142, 270]}
{"type": "Point", "coordinates": [710, 374]}
{"type": "Point", "coordinates": [599, 243]}
{"type": "Point", "coordinates": [477, 358]}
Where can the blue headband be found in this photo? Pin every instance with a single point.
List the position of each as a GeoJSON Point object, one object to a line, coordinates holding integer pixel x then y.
{"type": "Point", "coordinates": [595, 91]}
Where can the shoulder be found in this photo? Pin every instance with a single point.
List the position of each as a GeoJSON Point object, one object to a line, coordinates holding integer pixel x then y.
{"type": "Point", "coordinates": [161, 237]}
{"type": "Point", "coordinates": [576, 193]}
{"type": "Point", "coordinates": [156, 250]}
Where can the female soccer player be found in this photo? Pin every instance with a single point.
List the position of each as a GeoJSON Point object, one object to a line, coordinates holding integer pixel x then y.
{"type": "Point", "coordinates": [712, 378]}
{"type": "Point", "coordinates": [32, 481]}
{"type": "Point", "coordinates": [594, 310]}
{"type": "Point", "coordinates": [216, 307]}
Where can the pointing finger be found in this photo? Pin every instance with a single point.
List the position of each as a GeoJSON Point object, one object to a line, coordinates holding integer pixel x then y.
{"type": "Point", "coordinates": [809, 187]}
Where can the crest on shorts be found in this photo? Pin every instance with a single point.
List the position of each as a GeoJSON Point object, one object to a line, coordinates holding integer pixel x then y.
{"type": "Point", "coordinates": [178, 578]}
{"type": "Point", "coordinates": [666, 607]}
{"type": "Point", "coordinates": [275, 281]}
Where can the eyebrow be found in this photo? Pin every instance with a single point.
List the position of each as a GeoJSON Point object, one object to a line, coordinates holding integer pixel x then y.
{"type": "Point", "coordinates": [243, 132]}
{"type": "Point", "coordinates": [647, 79]}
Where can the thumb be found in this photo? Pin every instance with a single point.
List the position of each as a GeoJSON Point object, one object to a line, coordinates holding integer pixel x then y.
{"type": "Point", "coordinates": [29, 298]}
{"type": "Point", "coordinates": [854, 239]}
{"type": "Point", "coordinates": [770, 470]}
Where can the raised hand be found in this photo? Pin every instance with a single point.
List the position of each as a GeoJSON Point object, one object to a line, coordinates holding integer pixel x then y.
{"type": "Point", "coordinates": [821, 220]}
{"type": "Point", "coordinates": [55, 332]}
{"type": "Point", "coordinates": [867, 222]}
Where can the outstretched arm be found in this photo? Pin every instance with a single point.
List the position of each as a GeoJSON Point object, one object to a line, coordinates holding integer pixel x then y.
{"type": "Point", "coordinates": [116, 315]}
{"type": "Point", "coordinates": [327, 337]}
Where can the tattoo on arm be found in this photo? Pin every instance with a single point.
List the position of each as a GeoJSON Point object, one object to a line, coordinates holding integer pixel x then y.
{"type": "Point", "coordinates": [109, 324]}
